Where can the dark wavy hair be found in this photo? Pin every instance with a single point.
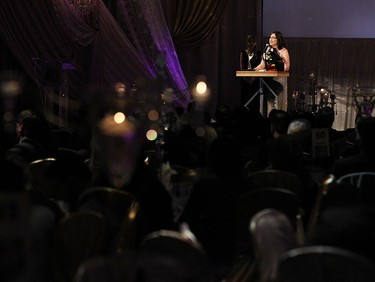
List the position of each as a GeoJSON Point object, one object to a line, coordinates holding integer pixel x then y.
{"type": "Point", "coordinates": [280, 39]}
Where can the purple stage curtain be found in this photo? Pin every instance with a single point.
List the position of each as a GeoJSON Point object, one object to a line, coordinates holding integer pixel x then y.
{"type": "Point", "coordinates": [114, 58]}
{"type": "Point", "coordinates": [145, 24]}
{"type": "Point", "coordinates": [57, 34]}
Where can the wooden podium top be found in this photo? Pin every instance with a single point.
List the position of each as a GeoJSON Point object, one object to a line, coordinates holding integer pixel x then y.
{"type": "Point", "coordinates": [261, 73]}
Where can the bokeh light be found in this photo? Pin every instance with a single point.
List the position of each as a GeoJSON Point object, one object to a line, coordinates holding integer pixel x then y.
{"type": "Point", "coordinates": [119, 117]}
{"type": "Point", "coordinates": [200, 131]}
{"type": "Point", "coordinates": [201, 88]}
{"type": "Point", "coordinates": [120, 88]}
{"type": "Point", "coordinates": [151, 135]}
{"type": "Point", "coordinates": [10, 88]}
{"type": "Point", "coordinates": [153, 115]}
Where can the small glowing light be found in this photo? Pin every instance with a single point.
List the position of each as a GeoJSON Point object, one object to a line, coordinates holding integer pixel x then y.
{"type": "Point", "coordinates": [119, 117]}
{"type": "Point", "coordinates": [201, 91]}
{"type": "Point", "coordinates": [120, 88]}
{"type": "Point", "coordinates": [133, 211]}
{"type": "Point", "coordinates": [153, 115]}
{"type": "Point", "coordinates": [151, 134]}
{"type": "Point", "coordinates": [11, 87]}
{"type": "Point", "coordinates": [201, 88]}
{"type": "Point", "coordinates": [200, 131]}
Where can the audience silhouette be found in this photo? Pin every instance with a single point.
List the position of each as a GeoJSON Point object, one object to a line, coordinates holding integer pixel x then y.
{"type": "Point", "coordinates": [228, 146]}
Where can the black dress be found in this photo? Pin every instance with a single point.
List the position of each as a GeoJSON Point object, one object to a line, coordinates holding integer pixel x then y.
{"type": "Point", "coordinates": [273, 62]}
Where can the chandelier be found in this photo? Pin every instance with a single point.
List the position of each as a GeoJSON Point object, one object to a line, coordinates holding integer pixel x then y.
{"type": "Point", "coordinates": [85, 6]}
{"type": "Point", "coordinates": [85, 3]}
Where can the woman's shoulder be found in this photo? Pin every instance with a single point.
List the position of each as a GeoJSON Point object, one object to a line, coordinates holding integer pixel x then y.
{"type": "Point", "coordinates": [284, 50]}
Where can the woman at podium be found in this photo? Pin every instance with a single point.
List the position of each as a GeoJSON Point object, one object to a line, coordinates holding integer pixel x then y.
{"type": "Point", "coordinates": [276, 58]}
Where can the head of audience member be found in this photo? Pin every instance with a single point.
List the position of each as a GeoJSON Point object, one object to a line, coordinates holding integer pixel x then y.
{"type": "Point", "coordinates": [300, 129]}
{"type": "Point", "coordinates": [272, 235]}
{"type": "Point", "coordinates": [33, 133]}
{"type": "Point", "coordinates": [279, 122]}
{"type": "Point", "coordinates": [32, 125]}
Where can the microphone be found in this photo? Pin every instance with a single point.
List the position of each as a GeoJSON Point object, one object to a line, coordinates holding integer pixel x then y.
{"type": "Point", "coordinates": [266, 48]}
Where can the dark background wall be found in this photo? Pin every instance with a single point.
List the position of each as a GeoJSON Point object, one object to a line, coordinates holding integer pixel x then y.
{"type": "Point", "coordinates": [320, 18]}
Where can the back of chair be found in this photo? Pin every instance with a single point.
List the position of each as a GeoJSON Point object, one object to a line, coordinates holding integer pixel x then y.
{"type": "Point", "coordinates": [272, 234]}
{"type": "Point", "coordinates": [359, 179]}
{"type": "Point", "coordinates": [79, 236]}
{"type": "Point", "coordinates": [38, 177]}
{"type": "Point", "coordinates": [165, 255]}
{"type": "Point", "coordinates": [178, 252]}
{"type": "Point", "coordinates": [324, 264]}
{"type": "Point", "coordinates": [364, 181]}
{"type": "Point", "coordinates": [107, 198]}
{"type": "Point", "coordinates": [250, 203]}
{"type": "Point", "coordinates": [350, 189]}
{"type": "Point", "coordinates": [280, 199]}
{"type": "Point", "coordinates": [277, 178]}
{"type": "Point", "coordinates": [121, 211]}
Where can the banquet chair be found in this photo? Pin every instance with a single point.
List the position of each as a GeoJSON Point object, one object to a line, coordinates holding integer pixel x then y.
{"type": "Point", "coordinates": [121, 211]}
{"type": "Point", "coordinates": [359, 179]}
{"type": "Point", "coordinates": [277, 198]}
{"type": "Point", "coordinates": [38, 177]}
{"type": "Point", "coordinates": [324, 264]}
{"type": "Point", "coordinates": [277, 178]}
{"type": "Point", "coordinates": [252, 202]}
{"type": "Point", "coordinates": [104, 198]}
{"type": "Point", "coordinates": [271, 234]}
{"type": "Point", "coordinates": [135, 267]}
{"type": "Point", "coordinates": [61, 179]}
{"type": "Point", "coordinates": [175, 249]}
{"type": "Point", "coordinates": [164, 255]}
{"type": "Point", "coordinates": [350, 189]}
{"type": "Point", "coordinates": [364, 181]}
{"type": "Point", "coordinates": [79, 236]}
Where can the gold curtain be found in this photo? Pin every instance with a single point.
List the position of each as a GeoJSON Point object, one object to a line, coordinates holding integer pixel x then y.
{"type": "Point", "coordinates": [196, 20]}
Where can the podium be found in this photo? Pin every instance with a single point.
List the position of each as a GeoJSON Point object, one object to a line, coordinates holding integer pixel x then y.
{"type": "Point", "coordinates": [262, 84]}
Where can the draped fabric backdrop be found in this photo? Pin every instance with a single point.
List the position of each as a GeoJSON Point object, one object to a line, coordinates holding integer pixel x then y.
{"type": "Point", "coordinates": [169, 41]}
{"type": "Point", "coordinates": [59, 43]}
